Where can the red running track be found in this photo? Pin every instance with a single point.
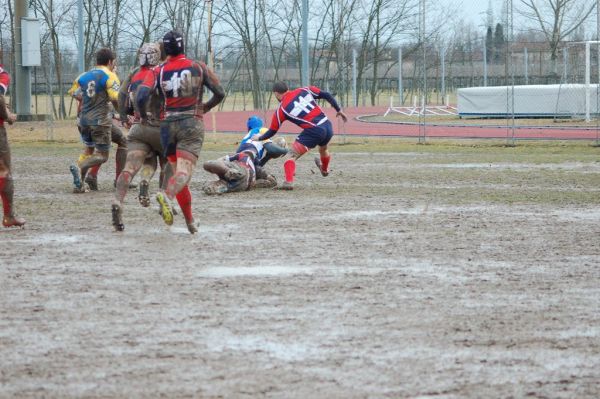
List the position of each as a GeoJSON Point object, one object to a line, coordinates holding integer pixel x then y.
{"type": "Point", "coordinates": [235, 122]}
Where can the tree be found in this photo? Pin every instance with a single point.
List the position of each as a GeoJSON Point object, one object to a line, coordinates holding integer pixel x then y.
{"type": "Point", "coordinates": [499, 43]}
{"type": "Point", "coordinates": [556, 19]}
{"type": "Point", "coordinates": [53, 15]}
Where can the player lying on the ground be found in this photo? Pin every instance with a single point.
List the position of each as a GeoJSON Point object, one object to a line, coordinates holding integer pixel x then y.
{"type": "Point", "coordinates": [271, 150]}
{"type": "Point", "coordinates": [300, 107]}
{"type": "Point", "coordinates": [239, 172]}
{"type": "Point", "coordinates": [9, 219]}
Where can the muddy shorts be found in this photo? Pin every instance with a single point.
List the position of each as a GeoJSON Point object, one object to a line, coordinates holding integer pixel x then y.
{"type": "Point", "coordinates": [144, 138]}
{"type": "Point", "coordinates": [316, 136]}
{"type": "Point", "coordinates": [4, 147]}
{"type": "Point", "coordinates": [243, 183]}
{"type": "Point", "coordinates": [182, 134]}
{"type": "Point", "coordinates": [96, 136]}
{"type": "Point", "coordinates": [117, 136]}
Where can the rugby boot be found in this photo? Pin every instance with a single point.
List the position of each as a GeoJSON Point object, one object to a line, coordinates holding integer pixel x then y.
{"type": "Point", "coordinates": [77, 185]}
{"type": "Point", "coordinates": [143, 196]}
{"type": "Point", "coordinates": [13, 220]}
{"type": "Point", "coordinates": [192, 226]}
{"type": "Point", "coordinates": [287, 186]}
{"type": "Point", "coordinates": [324, 173]}
{"type": "Point", "coordinates": [117, 217]}
{"type": "Point", "coordinates": [166, 209]}
{"type": "Point", "coordinates": [92, 182]}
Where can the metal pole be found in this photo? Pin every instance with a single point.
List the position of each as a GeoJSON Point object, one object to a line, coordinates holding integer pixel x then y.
{"type": "Point", "coordinates": [81, 55]}
{"type": "Point", "coordinates": [526, 60]}
{"type": "Point", "coordinates": [422, 128]}
{"type": "Point", "coordinates": [587, 81]}
{"type": "Point", "coordinates": [565, 64]}
{"type": "Point", "coordinates": [400, 87]}
{"type": "Point", "coordinates": [22, 92]}
{"type": "Point", "coordinates": [484, 63]}
{"type": "Point", "coordinates": [443, 60]}
{"type": "Point", "coordinates": [354, 77]}
{"type": "Point", "coordinates": [211, 61]}
{"type": "Point", "coordinates": [305, 75]}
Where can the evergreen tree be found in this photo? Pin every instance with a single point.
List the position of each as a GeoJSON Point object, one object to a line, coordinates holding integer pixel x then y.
{"type": "Point", "coordinates": [499, 43]}
{"type": "Point", "coordinates": [489, 45]}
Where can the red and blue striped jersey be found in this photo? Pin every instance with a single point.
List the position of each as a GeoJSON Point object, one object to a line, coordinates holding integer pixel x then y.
{"type": "Point", "coordinates": [180, 80]}
{"type": "Point", "coordinates": [300, 107]}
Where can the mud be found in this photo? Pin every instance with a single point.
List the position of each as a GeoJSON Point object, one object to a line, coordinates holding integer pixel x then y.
{"type": "Point", "coordinates": [399, 275]}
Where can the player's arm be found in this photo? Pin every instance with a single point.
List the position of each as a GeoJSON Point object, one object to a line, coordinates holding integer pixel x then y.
{"type": "Point", "coordinates": [330, 99]}
{"type": "Point", "coordinates": [124, 106]}
{"type": "Point", "coordinates": [75, 90]}
{"type": "Point", "coordinates": [276, 121]}
{"type": "Point", "coordinates": [214, 85]}
{"type": "Point", "coordinates": [5, 114]}
{"type": "Point", "coordinates": [143, 93]}
{"type": "Point", "coordinates": [112, 89]}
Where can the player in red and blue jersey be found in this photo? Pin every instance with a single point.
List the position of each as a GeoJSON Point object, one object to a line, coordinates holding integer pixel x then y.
{"type": "Point", "coordinates": [9, 219]}
{"type": "Point", "coordinates": [143, 140]}
{"type": "Point", "coordinates": [181, 82]}
{"type": "Point", "coordinates": [300, 107]}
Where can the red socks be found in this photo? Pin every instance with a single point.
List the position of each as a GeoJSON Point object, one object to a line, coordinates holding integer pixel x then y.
{"type": "Point", "coordinates": [94, 171]}
{"type": "Point", "coordinates": [184, 198]}
{"type": "Point", "coordinates": [289, 167]}
{"type": "Point", "coordinates": [325, 163]}
{"type": "Point", "coordinates": [5, 199]}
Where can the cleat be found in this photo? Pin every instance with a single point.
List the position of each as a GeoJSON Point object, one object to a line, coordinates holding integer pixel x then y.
{"type": "Point", "coordinates": [131, 185]}
{"type": "Point", "coordinates": [76, 179]}
{"type": "Point", "coordinates": [117, 217]}
{"type": "Point", "coordinates": [143, 196]}
{"type": "Point", "coordinates": [320, 166]}
{"type": "Point", "coordinates": [92, 182]}
{"type": "Point", "coordinates": [192, 226]}
{"type": "Point", "coordinates": [166, 210]}
{"type": "Point", "coordinates": [13, 221]}
{"type": "Point", "coordinates": [286, 186]}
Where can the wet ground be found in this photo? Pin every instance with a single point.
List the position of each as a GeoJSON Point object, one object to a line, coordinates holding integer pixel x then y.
{"type": "Point", "coordinates": [423, 273]}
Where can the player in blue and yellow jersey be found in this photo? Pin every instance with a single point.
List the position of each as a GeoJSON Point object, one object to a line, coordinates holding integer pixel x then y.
{"type": "Point", "coordinates": [99, 86]}
{"type": "Point", "coordinates": [300, 107]}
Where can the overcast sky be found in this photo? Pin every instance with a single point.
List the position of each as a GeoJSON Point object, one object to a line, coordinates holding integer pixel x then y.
{"type": "Point", "coordinates": [475, 10]}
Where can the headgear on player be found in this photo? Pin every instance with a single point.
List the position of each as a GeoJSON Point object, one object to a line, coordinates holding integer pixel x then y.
{"type": "Point", "coordinates": [149, 54]}
{"type": "Point", "coordinates": [254, 122]}
{"type": "Point", "coordinates": [173, 43]}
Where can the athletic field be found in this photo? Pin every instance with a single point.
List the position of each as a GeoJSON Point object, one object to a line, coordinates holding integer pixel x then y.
{"type": "Point", "coordinates": [452, 269]}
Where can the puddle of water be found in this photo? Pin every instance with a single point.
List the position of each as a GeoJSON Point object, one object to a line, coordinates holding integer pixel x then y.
{"type": "Point", "coordinates": [246, 271]}
{"type": "Point", "coordinates": [288, 351]}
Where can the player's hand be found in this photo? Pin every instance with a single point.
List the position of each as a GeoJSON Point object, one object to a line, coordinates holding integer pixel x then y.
{"type": "Point", "coordinates": [255, 137]}
{"type": "Point", "coordinates": [342, 115]}
{"type": "Point", "coordinates": [12, 118]}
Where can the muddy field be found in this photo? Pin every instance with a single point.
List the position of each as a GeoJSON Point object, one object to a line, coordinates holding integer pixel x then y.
{"type": "Point", "coordinates": [411, 271]}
